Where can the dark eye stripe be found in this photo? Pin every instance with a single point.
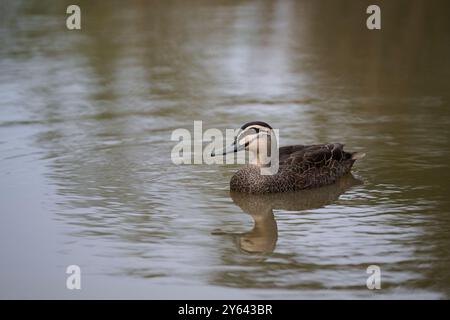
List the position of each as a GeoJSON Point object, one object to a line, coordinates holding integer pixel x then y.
{"type": "Point", "coordinates": [251, 128]}
{"type": "Point", "coordinates": [247, 131]}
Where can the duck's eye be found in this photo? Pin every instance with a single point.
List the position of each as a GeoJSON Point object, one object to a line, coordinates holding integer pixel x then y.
{"type": "Point", "coordinates": [251, 131]}
{"type": "Point", "coordinates": [243, 137]}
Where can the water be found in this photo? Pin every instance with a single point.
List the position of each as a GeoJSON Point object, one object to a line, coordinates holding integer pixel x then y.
{"type": "Point", "coordinates": [85, 171]}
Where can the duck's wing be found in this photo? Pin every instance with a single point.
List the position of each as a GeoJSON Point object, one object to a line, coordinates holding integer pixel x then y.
{"type": "Point", "coordinates": [287, 151]}
{"type": "Point", "coordinates": [314, 155]}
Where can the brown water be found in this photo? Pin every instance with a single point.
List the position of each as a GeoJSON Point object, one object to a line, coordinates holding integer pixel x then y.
{"type": "Point", "coordinates": [85, 171]}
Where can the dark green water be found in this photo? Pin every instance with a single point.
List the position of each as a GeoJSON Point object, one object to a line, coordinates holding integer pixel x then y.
{"type": "Point", "coordinates": [85, 170]}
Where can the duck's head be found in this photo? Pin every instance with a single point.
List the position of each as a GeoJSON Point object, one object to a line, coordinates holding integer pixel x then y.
{"type": "Point", "coordinates": [255, 136]}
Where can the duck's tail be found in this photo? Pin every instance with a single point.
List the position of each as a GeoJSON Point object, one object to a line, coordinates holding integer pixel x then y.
{"type": "Point", "coordinates": [358, 155]}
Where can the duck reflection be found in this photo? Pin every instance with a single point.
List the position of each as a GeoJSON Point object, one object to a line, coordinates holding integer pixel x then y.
{"type": "Point", "coordinates": [264, 235]}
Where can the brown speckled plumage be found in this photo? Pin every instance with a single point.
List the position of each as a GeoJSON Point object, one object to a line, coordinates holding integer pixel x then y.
{"type": "Point", "coordinates": [300, 167]}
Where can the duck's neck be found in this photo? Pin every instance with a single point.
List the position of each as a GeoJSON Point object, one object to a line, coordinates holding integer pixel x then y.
{"type": "Point", "coordinates": [263, 159]}
{"type": "Point", "coordinates": [265, 154]}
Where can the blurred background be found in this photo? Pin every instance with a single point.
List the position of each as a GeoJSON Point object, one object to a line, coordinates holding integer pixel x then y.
{"type": "Point", "coordinates": [85, 170]}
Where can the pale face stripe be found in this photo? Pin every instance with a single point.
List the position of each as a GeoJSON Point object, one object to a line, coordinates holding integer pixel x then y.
{"type": "Point", "coordinates": [256, 128]}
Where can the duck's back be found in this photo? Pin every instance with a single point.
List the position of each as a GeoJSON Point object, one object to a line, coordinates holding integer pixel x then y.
{"type": "Point", "coordinates": [300, 167]}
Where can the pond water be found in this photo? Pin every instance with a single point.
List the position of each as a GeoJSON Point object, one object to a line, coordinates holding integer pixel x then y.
{"type": "Point", "coordinates": [86, 176]}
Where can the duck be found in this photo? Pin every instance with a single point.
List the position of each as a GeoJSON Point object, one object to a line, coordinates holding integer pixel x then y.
{"type": "Point", "coordinates": [298, 167]}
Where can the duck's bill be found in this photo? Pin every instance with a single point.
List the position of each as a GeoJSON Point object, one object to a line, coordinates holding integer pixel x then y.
{"type": "Point", "coordinates": [230, 149]}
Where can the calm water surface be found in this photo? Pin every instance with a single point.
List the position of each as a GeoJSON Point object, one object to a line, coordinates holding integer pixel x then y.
{"type": "Point", "coordinates": [85, 171]}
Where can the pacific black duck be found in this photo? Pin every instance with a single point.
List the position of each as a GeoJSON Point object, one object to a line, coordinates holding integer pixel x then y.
{"type": "Point", "coordinates": [299, 166]}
